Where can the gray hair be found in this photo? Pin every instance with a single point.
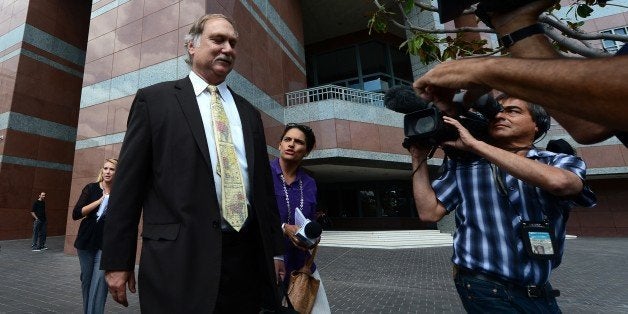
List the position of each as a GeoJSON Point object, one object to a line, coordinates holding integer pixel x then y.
{"type": "Point", "coordinates": [194, 35]}
{"type": "Point", "coordinates": [541, 118]}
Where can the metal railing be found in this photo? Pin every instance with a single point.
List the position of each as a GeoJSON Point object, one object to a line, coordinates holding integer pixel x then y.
{"type": "Point", "coordinates": [333, 92]}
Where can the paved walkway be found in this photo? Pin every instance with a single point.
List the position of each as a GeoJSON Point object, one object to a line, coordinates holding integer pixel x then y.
{"type": "Point", "coordinates": [592, 279]}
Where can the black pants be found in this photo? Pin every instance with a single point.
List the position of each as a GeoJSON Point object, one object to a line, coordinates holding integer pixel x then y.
{"type": "Point", "coordinates": [240, 276]}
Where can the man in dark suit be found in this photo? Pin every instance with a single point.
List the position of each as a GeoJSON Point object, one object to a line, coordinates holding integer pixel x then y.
{"type": "Point", "coordinates": [193, 259]}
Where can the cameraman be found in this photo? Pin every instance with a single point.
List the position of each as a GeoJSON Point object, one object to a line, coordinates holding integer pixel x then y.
{"type": "Point", "coordinates": [586, 96]}
{"type": "Point", "coordinates": [512, 186]}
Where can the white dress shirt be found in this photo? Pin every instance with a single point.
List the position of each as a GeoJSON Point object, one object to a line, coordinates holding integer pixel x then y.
{"type": "Point", "coordinates": [203, 99]}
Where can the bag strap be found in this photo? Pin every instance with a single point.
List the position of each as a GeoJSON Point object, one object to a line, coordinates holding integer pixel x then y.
{"type": "Point", "coordinates": [285, 294]}
{"type": "Point", "coordinates": [308, 263]}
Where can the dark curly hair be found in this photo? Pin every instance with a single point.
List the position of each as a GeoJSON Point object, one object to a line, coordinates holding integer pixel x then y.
{"type": "Point", "coordinates": [310, 139]}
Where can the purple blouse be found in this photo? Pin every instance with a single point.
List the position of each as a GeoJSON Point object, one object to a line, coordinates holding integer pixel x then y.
{"type": "Point", "coordinates": [294, 258]}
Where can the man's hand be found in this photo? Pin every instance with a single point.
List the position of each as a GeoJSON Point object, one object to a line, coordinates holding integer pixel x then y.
{"type": "Point", "coordinates": [441, 82]}
{"type": "Point", "coordinates": [280, 270]}
{"type": "Point", "coordinates": [465, 140]}
{"type": "Point", "coordinates": [118, 282]}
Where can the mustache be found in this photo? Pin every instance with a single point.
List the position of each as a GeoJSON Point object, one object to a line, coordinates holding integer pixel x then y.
{"type": "Point", "coordinates": [224, 58]}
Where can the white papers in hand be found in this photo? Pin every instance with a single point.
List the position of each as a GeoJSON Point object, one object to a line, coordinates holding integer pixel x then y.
{"type": "Point", "coordinates": [299, 218]}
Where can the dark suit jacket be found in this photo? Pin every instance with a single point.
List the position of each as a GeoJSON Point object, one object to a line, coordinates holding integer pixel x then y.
{"type": "Point", "coordinates": [89, 236]}
{"type": "Point", "coordinates": [165, 169]}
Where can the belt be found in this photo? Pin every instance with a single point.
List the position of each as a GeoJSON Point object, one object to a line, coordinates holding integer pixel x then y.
{"type": "Point", "coordinates": [531, 291]}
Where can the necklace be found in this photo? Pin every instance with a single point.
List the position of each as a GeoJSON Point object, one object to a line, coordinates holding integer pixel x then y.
{"type": "Point", "coordinates": [102, 187]}
{"type": "Point", "coordinates": [285, 191]}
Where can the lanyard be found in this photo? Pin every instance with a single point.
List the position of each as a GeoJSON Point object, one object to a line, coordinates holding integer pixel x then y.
{"type": "Point", "coordinates": [285, 191]}
{"type": "Point", "coordinates": [503, 190]}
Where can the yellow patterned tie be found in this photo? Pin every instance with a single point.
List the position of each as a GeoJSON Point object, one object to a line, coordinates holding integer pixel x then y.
{"type": "Point", "coordinates": [234, 208]}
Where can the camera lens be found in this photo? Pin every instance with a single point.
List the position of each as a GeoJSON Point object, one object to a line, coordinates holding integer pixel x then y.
{"type": "Point", "coordinates": [424, 125]}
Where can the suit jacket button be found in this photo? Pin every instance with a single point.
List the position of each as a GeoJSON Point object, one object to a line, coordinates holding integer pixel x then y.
{"type": "Point", "coordinates": [215, 224]}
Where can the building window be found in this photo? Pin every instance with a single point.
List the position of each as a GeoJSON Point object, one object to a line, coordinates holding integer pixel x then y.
{"type": "Point", "coordinates": [368, 203]}
{"type": "Point", "coordinates": [372, 66]}
{"type": "Point", "coordinates": [611, 45]}
{"type": "Point", "coordinates": [367, 199]}
{"type": "Point", "coordinates": [337, 65]}
{"type": "Point", "coordinates": [397, 201]}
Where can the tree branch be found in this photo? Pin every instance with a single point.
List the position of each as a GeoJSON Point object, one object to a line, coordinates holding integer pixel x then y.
{"type": "Point", "coordinates": [411, 27]}
{"type": "Point", "coordinates": [426, 7]}
{"type": "Point", "coordinates": [573, 45]}
{"type": "Point", "coordinates": [545, 18]}
{"type": "Point", "coordinates": [617, 5]}
{"type": "Point", "coordinates": [565, 35]}
{"type": "Point", "coordinates": [431, 8]}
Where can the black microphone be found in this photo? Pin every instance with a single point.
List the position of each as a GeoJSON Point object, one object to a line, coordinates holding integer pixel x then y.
{"type": "Point", "coordinates": [404, 100]}
{"type": "Point", "coordinates": [313, 230]}
{"type": "Point", "coordinates": [309, 233]}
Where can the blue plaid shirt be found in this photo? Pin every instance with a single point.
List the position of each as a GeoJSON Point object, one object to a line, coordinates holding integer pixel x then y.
{"type": "Point", "coordinates": [489, 215]}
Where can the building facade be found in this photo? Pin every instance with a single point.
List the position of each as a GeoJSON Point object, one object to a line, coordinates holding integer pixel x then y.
{"type": "Point", "coordinates": [42, 57]}
{"type": "Point", "coordinates": [70, 70]}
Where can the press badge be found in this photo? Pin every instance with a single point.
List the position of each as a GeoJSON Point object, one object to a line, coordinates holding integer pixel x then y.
{"type": "Point", "coordinates": [538, 239]}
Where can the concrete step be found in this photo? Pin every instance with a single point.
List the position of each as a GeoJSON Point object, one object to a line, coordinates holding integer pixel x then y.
{"type": "Point", "coordinates": [394, 239]}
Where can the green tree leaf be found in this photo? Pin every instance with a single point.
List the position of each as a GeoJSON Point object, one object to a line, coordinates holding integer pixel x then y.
{"type": "Point", "coordinates": [407, 6]}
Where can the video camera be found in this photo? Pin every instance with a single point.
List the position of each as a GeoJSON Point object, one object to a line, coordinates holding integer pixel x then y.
{"type": "Point", "coordinates": [424, 125]}
{"type": "Point", "coordinates": [451, 9]}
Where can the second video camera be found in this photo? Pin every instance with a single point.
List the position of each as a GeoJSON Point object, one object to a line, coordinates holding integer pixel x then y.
{"type": "Point", "coordinates": [424, 125]}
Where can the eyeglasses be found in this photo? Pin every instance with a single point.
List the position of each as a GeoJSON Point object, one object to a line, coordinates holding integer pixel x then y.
{"type": "Point", "coordinates": [300, 126]}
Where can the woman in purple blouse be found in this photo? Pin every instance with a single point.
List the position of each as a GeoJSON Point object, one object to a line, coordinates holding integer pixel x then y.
{"type": "Point", "coordinates": [295, 188]}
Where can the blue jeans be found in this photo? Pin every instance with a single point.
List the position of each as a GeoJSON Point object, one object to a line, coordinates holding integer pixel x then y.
{"type": "Point", "coordinates": [482, 296]}
{"type": "Point", "coordinates": [93, 282]}
{"type": "Point", "coordinates": [39, 234]}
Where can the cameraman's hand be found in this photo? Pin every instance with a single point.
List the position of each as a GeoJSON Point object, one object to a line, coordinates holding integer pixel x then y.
{"type": "Point", "coordinates": [526, 15]}
{"type": "Point", "coordinates": [418, 152]}
{"type": "Point", "coordinates": [465, 140]}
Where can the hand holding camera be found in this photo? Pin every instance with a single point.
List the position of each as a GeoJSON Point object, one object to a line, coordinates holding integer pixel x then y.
{"type": "Point", "coordinates": [425, 126]}
{"type": "Point", "coordinates": [465, 140]}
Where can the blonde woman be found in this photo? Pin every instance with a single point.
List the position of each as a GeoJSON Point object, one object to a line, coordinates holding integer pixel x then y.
{"type": "Point", "coordinates": [92, 208]}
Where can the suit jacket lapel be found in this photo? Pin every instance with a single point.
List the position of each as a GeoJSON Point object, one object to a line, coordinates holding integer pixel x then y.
{"type": "Point", "coordinates": [187, 100]}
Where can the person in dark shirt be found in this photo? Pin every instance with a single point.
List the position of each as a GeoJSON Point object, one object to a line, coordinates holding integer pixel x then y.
{"type": "Point", "coordinates": [39, 225]}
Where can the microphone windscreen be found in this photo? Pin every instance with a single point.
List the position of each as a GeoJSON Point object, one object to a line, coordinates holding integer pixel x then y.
{"type": "Point", "coordinates": [403, 99]}
{"type": "Point", "coordinates": [313, 230]}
